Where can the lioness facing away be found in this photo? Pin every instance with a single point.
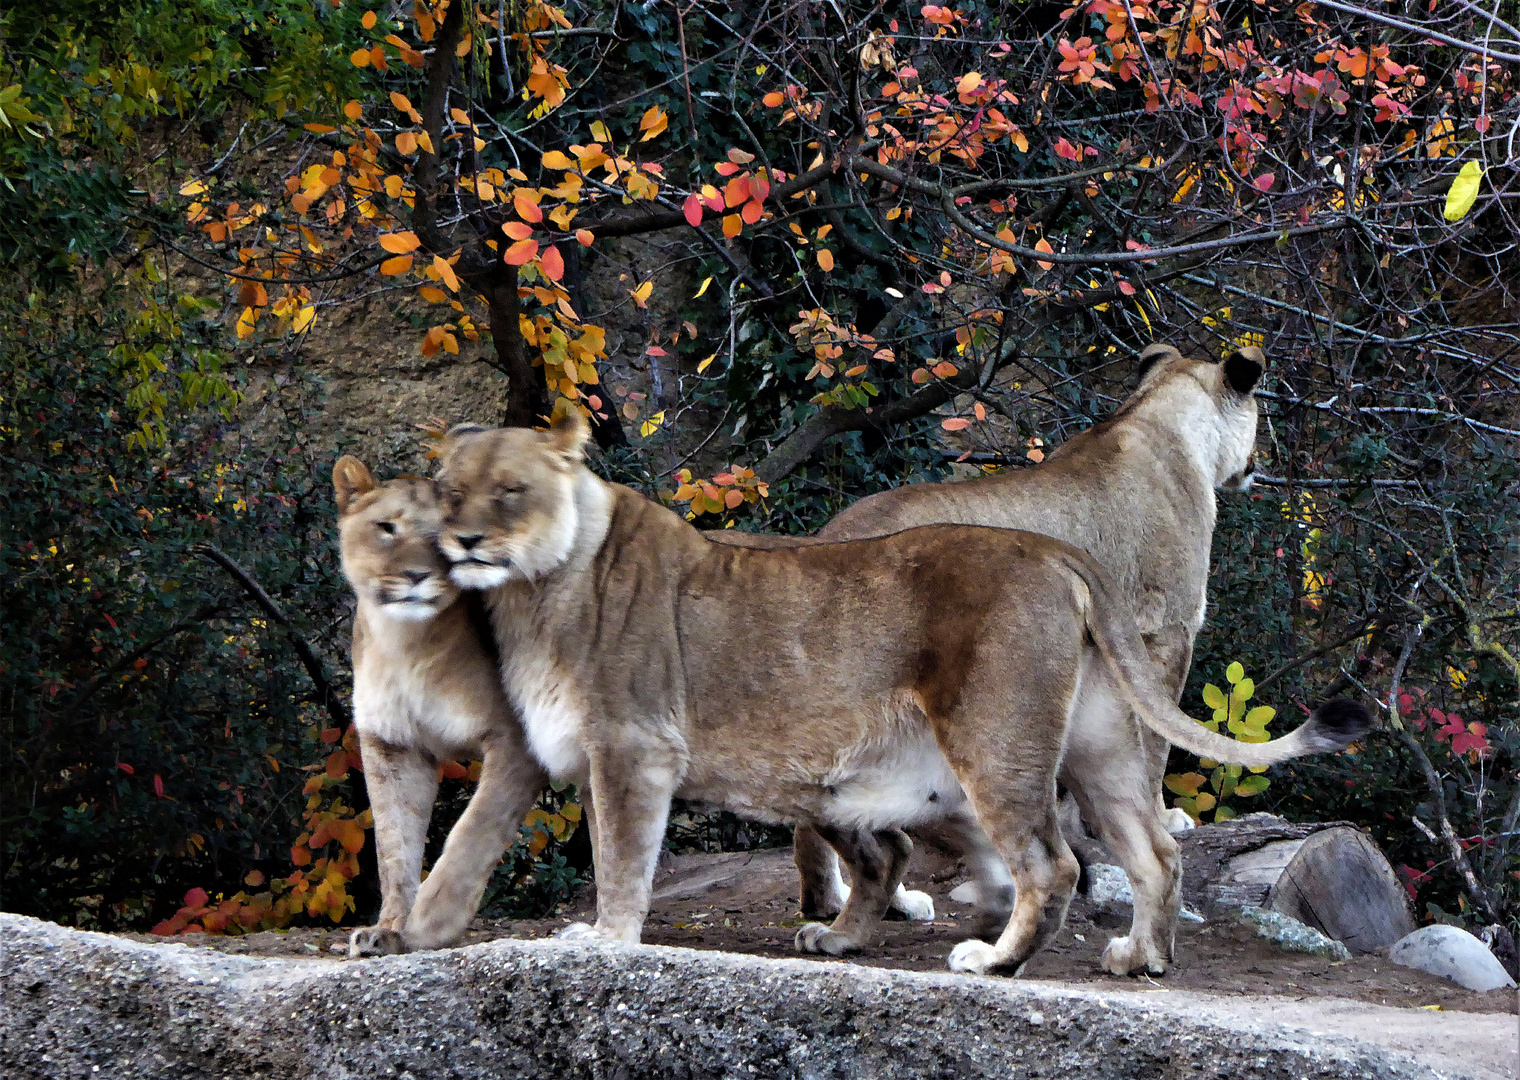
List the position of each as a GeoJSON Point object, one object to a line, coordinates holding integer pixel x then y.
{"type": "Point", "coordinates": [1136, 492]}
{"type": "Point", "coordinates": [425, 691]}
{"type": "Point", "coordinates": [857, 687]}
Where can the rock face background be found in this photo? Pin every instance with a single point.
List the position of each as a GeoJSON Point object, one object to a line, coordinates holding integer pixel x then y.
{"type": "Point", "coordinates": [78, 1004]}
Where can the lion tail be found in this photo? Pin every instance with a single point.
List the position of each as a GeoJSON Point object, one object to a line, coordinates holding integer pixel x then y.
{"type": "Point", "coordinates": [1334, 725]}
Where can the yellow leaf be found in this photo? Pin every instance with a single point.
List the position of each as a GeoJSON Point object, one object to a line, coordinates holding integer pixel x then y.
{"type": "Point", "coordinates": [304, 319]}
{"type": "Point", "coordinates": [1213, 697]}
{"type": "Point", "coordinates": [193, 187]}
{"type": "Point", "coordinates": [245, 323]}
{"type": "Point", "coordinates": [648, 427]}
{"type": "Point", "coordinates": [703, 365]}
{"type": "Point", "coordinates": [1235, 672]}
{"type": "Point", "coordinates": [425, 141]}
{"type": "Point", "coordinates": [642, 293]}
{"type": "Point", "coordinates": [393, 185]}
{"type": "Point", "coordinates": [399, 243]}
{"type": "Point", "coordinates": [705, 283]}
{"type": "Point", "coordinates": [599, 132]}
{"type": "Point", "coordinates": [1459, 197]}
{"type": "Point", "coordinates": [554, 159]}
{"type": "Point", "coordinates": [446, 272]}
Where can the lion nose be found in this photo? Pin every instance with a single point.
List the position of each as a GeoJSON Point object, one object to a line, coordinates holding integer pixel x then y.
{"type": "Point", "coordinates": [416, 577]}
{"type": "Point", "coordinates": [469, 542]}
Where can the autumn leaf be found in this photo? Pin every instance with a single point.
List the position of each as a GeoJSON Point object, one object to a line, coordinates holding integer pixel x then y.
{"type": "Point", "coordinates": [399, 265]}
{"type": "Point", "coordinates": [826, 259]}
{"type": "Point", "coordinates": [642, 293]}
{"type": "Point", "coordinates": [955, 423]}
{"type": "Point", "coordinates": [303, 319]}
{"type": "Point", "coordinates": [526, 207]}
{"type": "Point", "coordinates": [1463, 192]}
{"type": "Point", "coordinates": [555, 159]}
{"type": "Point", "coordinates": [552, 263]}
{"type": "Point", "coordinates": [702, 288]}
{"type": "Point", "coordinates": [406, 142]}
{"type": "Point", "coordinates": [584, 237]}
{"type": "Point", "coordinates": [653, 123]}
{"type": "Point", "coordinates": [400, 243]}
{"type": "Point", "coordinates": [446, 273]}
{"type": "Point", "coordinates": [692, 208]}
{"type": "Point", "coordinates": [520, 252]}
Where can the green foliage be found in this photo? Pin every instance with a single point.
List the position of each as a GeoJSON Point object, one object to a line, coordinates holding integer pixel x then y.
{"type": "Point", "coordinates": [1245, 724]}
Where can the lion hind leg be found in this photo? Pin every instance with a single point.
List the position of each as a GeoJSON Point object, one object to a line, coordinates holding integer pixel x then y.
{"type": "Point", "coordinates": [822, 889]}
{"type": "Point", "coordinates": [876, 861]}
{"type": "Point", "coordinates": [1123, 809]}
{"type": "Point", "coordinates": [510, 781]}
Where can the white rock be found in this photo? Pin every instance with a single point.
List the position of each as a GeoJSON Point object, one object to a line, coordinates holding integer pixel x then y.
{"type": "Point", "coordinates": [965, 893]}
{"type": "Point", "coordinates": [1109, 884]}
{"type": "Point", "coordinates": [1291, 935]}
{"type": "Point", "coordinates": [1452, 953]}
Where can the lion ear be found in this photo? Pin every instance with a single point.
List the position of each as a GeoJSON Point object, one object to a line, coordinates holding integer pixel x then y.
{"type": "Point", "coordinates": [1244, 368]}
{"type": "Point", "coordinates": [453, 438]}
{"type": "Point", "coordinates": [1154, 354]}
{"type": "Point", "coordinates": [351, 479]}
{"type": "Point", "coordinates": [567, 435]}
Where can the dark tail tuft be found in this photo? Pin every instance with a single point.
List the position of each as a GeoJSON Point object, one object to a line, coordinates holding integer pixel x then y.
{"type": "Point", "coordinates": [1343, 720]}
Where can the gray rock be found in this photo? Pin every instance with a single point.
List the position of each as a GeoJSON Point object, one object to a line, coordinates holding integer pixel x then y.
{"type": "Point", "coordinates": [1453, 953]}
{"type": "Point", "coordinates": [76, 1004]}
{"type": "Point", "coordinates": [1291, 935]}
{"type": "Point", "coordinates": [1109, 884]}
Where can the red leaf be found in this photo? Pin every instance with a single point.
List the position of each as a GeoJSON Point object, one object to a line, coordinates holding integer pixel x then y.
{"type": "Point", "coordinates": [158, 785]}
{"type": "Point", "coordinates": [196, 897]}
{"type": "Point", "coordinates": [332, 734]}
{"type": "Point", "coordinates": [124, 767]}
{"type": "Point", "coordinates": [1126, 288]}
{"type": "Point", "coordinates": [337, 765]}
{"type": "Point", "coordinates": [693, 209]}
{"type": "Point", "coordinates": [1264, 181]}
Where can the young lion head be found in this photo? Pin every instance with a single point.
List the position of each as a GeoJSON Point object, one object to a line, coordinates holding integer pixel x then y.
{"type": "Point", "coordinates": [388, 539]}
{"type": "Point", "coordinates": [509, 500]}
{"type": "Point", "coordinates": [1221, 420]}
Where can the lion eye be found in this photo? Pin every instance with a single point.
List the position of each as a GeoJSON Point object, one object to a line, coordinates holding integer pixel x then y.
{"type": "Point", "coordinates": [514, 489]}
{"type": "Point", "coordinates": [387, 527]}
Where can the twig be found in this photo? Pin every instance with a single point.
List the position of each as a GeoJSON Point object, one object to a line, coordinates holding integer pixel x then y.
{"type": "Point", "coordinates": [309, 659]}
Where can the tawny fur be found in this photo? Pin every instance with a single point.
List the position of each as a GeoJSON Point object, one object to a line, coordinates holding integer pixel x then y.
{"type": "Point", "coordinates": [813, 684]}
{"type": "Point", "coordinates": [1137, 492]}
{"type": "Point", "coordinates": [425, 690]}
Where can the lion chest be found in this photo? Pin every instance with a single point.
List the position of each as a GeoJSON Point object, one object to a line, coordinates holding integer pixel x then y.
{"type": "Point", "coordinates": [553, 714]}
{"type": "Point", "coordinates": [397, 704]}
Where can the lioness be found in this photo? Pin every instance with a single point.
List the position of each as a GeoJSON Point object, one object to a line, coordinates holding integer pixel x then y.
{"type": "Point", "coordinates": [1136, 492]}
{"type": "Point", "coordinates": [425, 690]}
{"type": "Point", "coordinates": [855, 687]}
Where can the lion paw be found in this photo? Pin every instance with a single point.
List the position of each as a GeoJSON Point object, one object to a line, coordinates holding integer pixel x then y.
{"type": "Point", "coordinates": [976, 957]}
{"type": "Point", "coordinates": [1124, 957]}
{"type": "Point", "coordinates": [374, 941]}
{"type": "Point", "coordinates": [817, 937]}
{"type": "Point", "coordinates": [1177, 821]}
{"type": "Point", "coordinates": [913, 905]}
{"type": "Point", "coordinates": [579, 931]}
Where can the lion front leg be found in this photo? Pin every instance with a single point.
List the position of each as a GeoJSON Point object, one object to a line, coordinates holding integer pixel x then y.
{"type": "Point", "coordinates": [402, 782]}
{"type": "Point", "coordinates": [510, 781]}
{"type": "Point", "coordinates": [630, 799]}
{"type": "Point", "coordinates": [876, 861]}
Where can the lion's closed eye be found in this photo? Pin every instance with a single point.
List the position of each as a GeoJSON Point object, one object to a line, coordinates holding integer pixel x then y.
{"type": "Point", "coordinates": [387, 527]}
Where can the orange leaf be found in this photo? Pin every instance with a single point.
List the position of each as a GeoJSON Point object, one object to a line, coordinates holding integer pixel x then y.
{"type": "Point", "coordinates": [955, 423]}
{"type": "Point", "coordinates": [520, 252]}
{"type": "Point", "coordinates": [400, 243]}
{"type": "Point", "coordinates": [353, 110]}
{"type": "Point", "coordinates": [552, 263]}
{"type": "Point", "coordinates": [733, 225]}
{"type": "Point", "coordinates": [733, 498]}
{"type": "Point", "coordinates": [446, 272]}
{"type": "Point", "coordinates": [368, 22]}
{"type": "Point", "coordinates": [406, 142]}
{"type": "Point", "coordinates": [360, 58]}
{"type": "Point", "coordinates": [437, 296]}
{"type": "Point", "coordinates": [752, 211]}
{"type": "Point", "coordinates": [516, 230]}
{"type": "Point", "coordinates": [399, 265]}
{"type": "Point", "coordinates": [773, 100]}
{"type": "Point", "coordinates": [526, 208]}
{"type": "Point", "coordinates": [337, 765]}
{"type": "Point", "coordinates": [584, 237]}
{"type": "Point", "coordinates": [401, 102]}
{"type": "Point", "coordinates": [826, 259]}
{"type": "Point", "coordinates": [452, 770]}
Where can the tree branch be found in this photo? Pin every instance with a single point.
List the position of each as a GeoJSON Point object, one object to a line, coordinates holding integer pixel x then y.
{"type": "Point", "coordinates": [309, 659]}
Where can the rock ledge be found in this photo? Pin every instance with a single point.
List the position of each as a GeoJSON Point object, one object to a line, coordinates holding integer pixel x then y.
{"type": "Point", "coordinates": [79, 1004]}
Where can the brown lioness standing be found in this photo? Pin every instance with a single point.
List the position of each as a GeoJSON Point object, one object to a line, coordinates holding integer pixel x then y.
{"type": "Point", "coordinates": [856, 687]}
{"type": "Point", "coordinates": [1136, 492]}
{"type": "Point", "coordinates": [425, 691]}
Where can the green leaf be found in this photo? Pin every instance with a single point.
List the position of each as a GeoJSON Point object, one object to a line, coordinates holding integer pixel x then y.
{"type": "Point", "coordinates": [1224, 813]}
{"type": "Point", "coordinates": [1235, 672]}
{"type": "Point", "coordinates": [1463, 192]}
{"type": "Point", "coordinates": [1213, 697]}
{"type": "Point", "coordinates": [1260, 717]}
{"type": "Point", "coordinates": [1251, 785]}
{"type": "Point", "coordinates": [1216, 778]}
{"type": "Point", "coordinates": [1243, 689]}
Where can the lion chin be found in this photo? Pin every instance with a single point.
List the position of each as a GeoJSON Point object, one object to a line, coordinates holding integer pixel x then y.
{"type": "Point", "coordinates": [477, 575]}
{"type": "Point", "coordinates": [409, 610]}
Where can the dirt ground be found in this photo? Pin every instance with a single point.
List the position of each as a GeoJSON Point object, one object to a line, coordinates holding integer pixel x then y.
{"type": "Point", "coordinates": [746, 903]}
